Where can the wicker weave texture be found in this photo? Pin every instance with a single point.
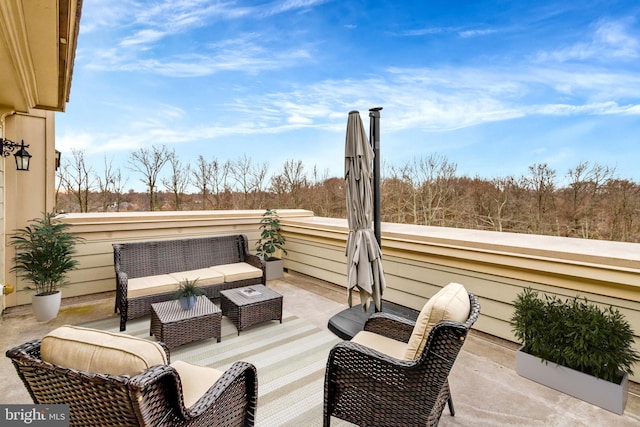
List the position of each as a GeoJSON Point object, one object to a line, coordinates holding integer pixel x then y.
{"type": "Point", "coordinates": [245, 311]}
{"type": "Point", "coordinates": [174, 326]}
{"type": "Point", "coordinates": [369, 388]}
{"type": "Point", "coordinates": [141, 259]}
{"type": "Point", "coordinates": [152, 398]}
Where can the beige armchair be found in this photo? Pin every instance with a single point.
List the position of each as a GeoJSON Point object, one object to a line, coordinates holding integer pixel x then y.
{"type": "Point", "coordinates": [110, 379]}
{"type": "Point", "coordinates": [395, 372]}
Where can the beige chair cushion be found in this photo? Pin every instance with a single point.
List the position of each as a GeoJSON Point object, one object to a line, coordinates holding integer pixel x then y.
{"type": "Point", "coordinates": [150, 285]}
{"type": "Point", "coordinates": [205, 276]}
{"type": "Point", "coordinates": [388, 346]}
{"type": "Point", "coordinates": [238, 271]}
{"type": "Point", "coordinates": [196, 380]}
{"type": "Point", "coordinates": [100, 352]}
{"type": "Point", "coordinates": [450, 303]}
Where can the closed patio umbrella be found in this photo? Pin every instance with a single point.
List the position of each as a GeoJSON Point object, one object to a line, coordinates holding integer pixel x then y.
{"type": "Point", "coordinates": [364, 257]}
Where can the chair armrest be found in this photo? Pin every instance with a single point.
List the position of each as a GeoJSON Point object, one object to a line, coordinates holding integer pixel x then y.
{"type": "Point", "coordinates": [238, 383]}
{"type": "Point", "coordinates": [254, 260]}
{"type": "Point", "coordinates": [257, 262]}
{"type": "Point", "coordinates": [390, 326]}
{"type": "Point", "coordinates": [122, 280]}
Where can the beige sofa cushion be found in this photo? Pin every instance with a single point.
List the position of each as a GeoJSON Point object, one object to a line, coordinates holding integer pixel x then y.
{"type": "Point", "coordinates": [238, 271]}
{"type": "Point", "coordinates": [450, 303]}
{"type": "Point", "coordinates": [100, 352]}
{"type": "Point", "coordinates": [388, 346]}
{"type": "Point", "coordinates": [205, 276]}
{"type": "Point", "coordinates": [196, 380]}
{"type": "Point", "coordinates": [150, 285]}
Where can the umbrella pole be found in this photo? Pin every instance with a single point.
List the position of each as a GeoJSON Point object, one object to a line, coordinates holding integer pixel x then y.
{"type": "Point", "coordinates": [374, 136]}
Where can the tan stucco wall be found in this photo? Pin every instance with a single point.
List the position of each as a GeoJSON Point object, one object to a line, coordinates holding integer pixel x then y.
{"type": "Point", "coordinates": [26, 194]}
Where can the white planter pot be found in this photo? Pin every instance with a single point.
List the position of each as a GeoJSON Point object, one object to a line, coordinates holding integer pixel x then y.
{"type": "Point", "coordinates": [187, 303]}
{"type": "Point", "coordinates": [605, 394]}
{"type": "Point", "coordinates": [46, 307]}
{"type": "Point", "coordinates": [274, 269]}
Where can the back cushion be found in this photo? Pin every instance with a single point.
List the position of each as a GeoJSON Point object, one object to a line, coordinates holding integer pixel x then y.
{"type": "Point", "coordinates": [449, 303]}
{"type": "Point", "coordinates": [96, 351]}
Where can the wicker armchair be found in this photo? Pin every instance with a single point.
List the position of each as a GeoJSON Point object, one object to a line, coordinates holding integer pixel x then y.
{"type": "Point", "coordinates": [152, 398]}
{"type": "Point", "coordinates": [370, 388]}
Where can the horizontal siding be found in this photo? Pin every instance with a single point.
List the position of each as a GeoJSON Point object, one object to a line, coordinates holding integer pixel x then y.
{"type": "Point", "coordinates": [100, 231]}
{"type": "Point", "coordinates": [416, 267]}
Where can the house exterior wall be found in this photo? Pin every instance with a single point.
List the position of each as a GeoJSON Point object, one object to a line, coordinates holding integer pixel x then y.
{"type": "Point", "coordinates": [26, 194]}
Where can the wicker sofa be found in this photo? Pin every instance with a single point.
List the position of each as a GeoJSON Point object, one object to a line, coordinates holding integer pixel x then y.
{"type": "Point", "coordinates": [111, 379]}
{"type": "Point", "coordinates": [150, 272]}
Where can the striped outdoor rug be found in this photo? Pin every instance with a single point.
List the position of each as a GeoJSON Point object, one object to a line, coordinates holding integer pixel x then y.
{"type": "Point", "coordinates": [290, 359]}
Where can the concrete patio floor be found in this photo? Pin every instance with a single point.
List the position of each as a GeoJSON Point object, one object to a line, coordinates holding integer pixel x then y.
{"type": "Point", "coordinates": [485, 388]}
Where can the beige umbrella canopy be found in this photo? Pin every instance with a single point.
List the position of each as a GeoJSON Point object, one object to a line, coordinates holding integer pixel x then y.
{"type": "Point", "coordinates": [364, 257]}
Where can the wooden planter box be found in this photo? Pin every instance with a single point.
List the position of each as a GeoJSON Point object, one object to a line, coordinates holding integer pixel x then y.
{"type": "Point", "coordinates": [607, 395]}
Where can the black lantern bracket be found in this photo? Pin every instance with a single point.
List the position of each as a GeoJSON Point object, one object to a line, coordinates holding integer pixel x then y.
{"type": "Point", "coordinates": [22, 156]}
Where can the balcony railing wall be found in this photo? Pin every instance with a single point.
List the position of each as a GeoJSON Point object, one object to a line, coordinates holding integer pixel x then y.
{"type": "Point", "coordinates": [417, 260]}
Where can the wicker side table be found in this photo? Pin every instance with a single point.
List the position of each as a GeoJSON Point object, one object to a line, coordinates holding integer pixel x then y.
{"type": "Point", "coordinates": [175, 326]}
{"type": "Point", "coordinates": [250, 305]}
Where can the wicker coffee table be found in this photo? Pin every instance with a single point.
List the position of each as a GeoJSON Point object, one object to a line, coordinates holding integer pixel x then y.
{"type": "Point", "coordinates": [250, 305]}
{"type": "Point", "coordinates": [175, 326]}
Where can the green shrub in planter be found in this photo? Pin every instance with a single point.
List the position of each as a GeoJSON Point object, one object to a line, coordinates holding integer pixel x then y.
{"type": "Point", "coordinates": [44, 253]}
{"type": "Point", "coordinates": [576, 334]}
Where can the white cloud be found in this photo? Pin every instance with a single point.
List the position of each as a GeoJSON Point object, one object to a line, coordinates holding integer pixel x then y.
{"type": "Point", "coordinates": [299, 120]}
{"type": "Point", "coordinates": [609, 40]}
{"type": "Point", "coordinates": [142, 37]}
{"type": "Point", "coordinates": [475, 33]}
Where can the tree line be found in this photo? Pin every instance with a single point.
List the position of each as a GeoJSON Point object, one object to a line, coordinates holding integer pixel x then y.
{"type": "Point", "coordinates": [593, 203]}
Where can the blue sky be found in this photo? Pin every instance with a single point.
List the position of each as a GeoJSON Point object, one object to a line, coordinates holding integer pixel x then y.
{"type": "Point", "coordinates": [493, 86]}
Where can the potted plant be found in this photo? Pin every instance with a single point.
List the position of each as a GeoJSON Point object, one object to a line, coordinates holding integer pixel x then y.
{"type": "Point", "coordinates": [44, 250]}
{"type": "Point", "coordinates": [271, 241]}
{"type": "Point", "coordinates": [575, 347]}
{"type": "Point", "coordinates": [188, 293]}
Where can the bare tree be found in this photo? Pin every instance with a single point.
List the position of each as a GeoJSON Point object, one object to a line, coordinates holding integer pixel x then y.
{"type": "Point", "coordinates": [211, 179]}
{"type": "Point", "coordinates": [220, 184]}
{"type": "Point", "coordinates": [541, 183]}
{"type": "Point", "coordinates": [239, 171]}
{"type": "Point", "coordinates": [106, 184]}
{"type": "Point", "coordinates": [432, 182]}
{"type": "Point", "coordinates": [581, 197]}
{"type": "Point", "coordinates": [290, 183]}
{"type": "Point", "coordinates": [203, 175]}
{"type": "Point", "coordinates": [76, 179]}
{"type": "Point", "coordinates": [149, 163]}
{"type": "Point", "coordinates": [258, 176]}
{"type": "Point", "coordinates": [178, 180]}
{"type": "Point", "coordinates": [249, 179]}
{"type": "Point", "coordinates": [118, 186]}
{"type": "Point", "coordinates": [623, 210]}
{"type": "Point", "coordinates": [396, 197]}
{"type": "Point", "coordinates": [326, 196]}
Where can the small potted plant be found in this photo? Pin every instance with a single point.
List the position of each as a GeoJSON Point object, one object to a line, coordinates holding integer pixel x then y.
{"type": "Point", "coordinates": [188, 293]}
{"type": "Point", "coordinates": [575, 347]}
{"type": "Point", "coordinates": [44, 256]}
{"type": "Point", "coordinates": [271, 241]}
